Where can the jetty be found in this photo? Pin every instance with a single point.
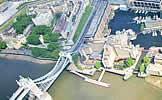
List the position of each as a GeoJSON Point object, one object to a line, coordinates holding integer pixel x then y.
{"type": "Point", "coordinates": [91, 80]}
{"type": "Point", "coordinates": [101, 75]}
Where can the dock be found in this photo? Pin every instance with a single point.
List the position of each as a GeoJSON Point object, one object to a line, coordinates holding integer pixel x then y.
{"type": "Point", "coordinates": [101, 75]}
{"type": "Point", "coordinates": [91, 80]}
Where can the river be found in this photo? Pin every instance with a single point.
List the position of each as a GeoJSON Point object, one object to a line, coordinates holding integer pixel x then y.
{"type": "Point", "coordinates": [10, 69]}
{"type": "Point", "coordinates": [72, 87]}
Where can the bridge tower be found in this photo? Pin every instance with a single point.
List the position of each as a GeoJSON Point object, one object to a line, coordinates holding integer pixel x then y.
{"type": "Point", "coordinates": [27, 85]}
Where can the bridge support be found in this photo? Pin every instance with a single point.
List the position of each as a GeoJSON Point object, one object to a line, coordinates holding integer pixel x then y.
{"type": "Point", "coordinates": [27, 85]}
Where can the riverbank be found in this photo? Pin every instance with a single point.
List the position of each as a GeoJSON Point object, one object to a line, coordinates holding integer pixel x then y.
{"type": "Point", "coordinates": [26, 58]}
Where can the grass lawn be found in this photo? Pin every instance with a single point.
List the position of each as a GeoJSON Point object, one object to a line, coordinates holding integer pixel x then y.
{"type": "Point", "coordinates": [12, 20]}
{"type": "Point", "coordinates": [82, 22]}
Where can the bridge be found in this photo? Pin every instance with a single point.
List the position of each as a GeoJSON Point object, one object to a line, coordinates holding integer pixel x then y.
{"type": "Point", "coordinates": [39, 86]}
{"type": "Point", "coordinates": [43, 83]}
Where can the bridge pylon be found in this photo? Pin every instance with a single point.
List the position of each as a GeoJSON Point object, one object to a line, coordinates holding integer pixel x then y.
{"type": "Point", "coordinates": [27, 85]}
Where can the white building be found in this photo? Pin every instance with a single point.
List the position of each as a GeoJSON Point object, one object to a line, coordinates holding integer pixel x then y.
{"type": "Point", "coordinates": [43, 18]}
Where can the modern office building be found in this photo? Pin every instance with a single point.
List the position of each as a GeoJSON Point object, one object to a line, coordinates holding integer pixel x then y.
{"type": "Point", "coordinates": [150, 5]}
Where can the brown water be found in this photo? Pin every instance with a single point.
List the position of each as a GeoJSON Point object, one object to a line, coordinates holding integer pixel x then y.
{"type": "Point", "coordinates": [71, 87]}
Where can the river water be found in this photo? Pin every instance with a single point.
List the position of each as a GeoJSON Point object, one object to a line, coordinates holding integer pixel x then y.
{"type": "Point", "coordinates": [72, 87]}
{"type": "Point", "coordinates": [10, 69]}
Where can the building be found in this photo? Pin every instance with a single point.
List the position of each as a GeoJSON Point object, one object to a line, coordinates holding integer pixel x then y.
{"type": "Point", "coordinates": [61, 24]}
{"type": "Point", "coordinates": [153, 24]}
{"type": "Point", "coordinates": [7, 11]}
{"type": "Point", "coordinates": [99, 34]}
{"type": "Point", "coordinates": [92, 51]}
{"type": "Point", "coordinates": [158, 59]}
{"type": "Point", "coordinates": [118, 47]}
{"type": "Point", "coordinates": [67, 30]}
{"type": "Point", "coordinates": [108, 56]}
{"type": "Point", "coordinates": [150, 5]}
{"type": "Point", "coordinates": [155, 69]}
{"type": "Point", "coordinates": [97, 21]}
{"type": "Point", "coordinates": [44, 17]}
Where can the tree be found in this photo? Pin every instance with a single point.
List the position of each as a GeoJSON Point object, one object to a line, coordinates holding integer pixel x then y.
{"type": "Point", "coordinates": [146, 61]}
{"type": "Point", "coordinates": [121, 62]}
{"type": "Point", "coordinates": [55, 54]}
{"type": "Point", "coordinates": [3, 45]}
{"type": "Point", "coordinates": [21, 23]}
{"type": "Point", "coordinates": [33, 39]}
{"type": "Point", "coordinates": [160, 51]}
{"type": "Point", "coordinates": [75, 59]}
{"type": "Point", "coordinates": [35, 51]}
{"type": "Point", "coordinates": [129, 62]}
{"type": "Point", "coordinates": [1, 1]}
{"type": "Point", "coordinates": [142, 27]}
{"type": "Point", "coordinates": [50, 37]}
{"type": "Point", "coordinates": [41, 30]}
{"type": "Point", "coordinates": [142, 68]}
{"type": "Point", "coordinates": [39, 52]}
{"type": "Point", "coordinates": [98, 64]}
{"type": "Point", "coordinates": [53, 46]}
{"type": "Point", "coordinates": [58, 15]}
{"type": "Point", "coordinates": [124, 66]}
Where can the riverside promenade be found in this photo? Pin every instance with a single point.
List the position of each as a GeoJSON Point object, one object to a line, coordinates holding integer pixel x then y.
{"type": "Point", "coordinates": [91, 80]}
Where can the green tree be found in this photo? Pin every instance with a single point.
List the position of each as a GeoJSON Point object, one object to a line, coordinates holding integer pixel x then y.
{"type": "Point", "coordinates": [1, 1]}
{"type": "Point", "coordinates": [58, 15]}
{"type": "Point", "coordinates": [53, 46]}
{"type": "Point", "coordinates": [35, 51]}
{"type": "Point", "coordinates": [75, 59]}
{"type": "Point", "coordinates": [39, 51]}
{"type": "Point", "coordinates": [33, 39]}
{"type": "Point", "coordinates": [50, 37]}
{"type": "Point", "coordinates": [41, 30]}
{"type": "Point", "coordinates": [55, 54]}
{"type": "Point", "coordinates": [142, 27]}
{"type": "Point", "coordinates": [3, 45]}
{"type": "Point", "coordinates": [146, 61]}
{"type": "Point", "coordinates": [142, 68]}
{"type": "Point", "coordinates": [129, 62]}
{"type": "Point", "coordinates": [124, 66]}
{"type": "Point", "coordinates": [98, 64]}
{"type": "Point", "coordinates": [21, 23]}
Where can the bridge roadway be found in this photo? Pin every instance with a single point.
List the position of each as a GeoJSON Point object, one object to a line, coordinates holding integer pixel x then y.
{"type": "Point", "coordinates": [45, 82]}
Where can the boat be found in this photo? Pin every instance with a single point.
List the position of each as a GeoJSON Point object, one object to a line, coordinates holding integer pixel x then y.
{"type": "Point", "coordinates": [155, 33]}
{"type": "Point", "coordinates": [136, 18]}
{"type": "Point", "coordinates": [136, 11]}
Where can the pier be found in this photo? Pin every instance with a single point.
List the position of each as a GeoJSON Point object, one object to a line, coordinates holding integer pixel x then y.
{"type": "Point", "coordinates": [101, 75]}
{"type": "Point", "coordinates": [91, 80]}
